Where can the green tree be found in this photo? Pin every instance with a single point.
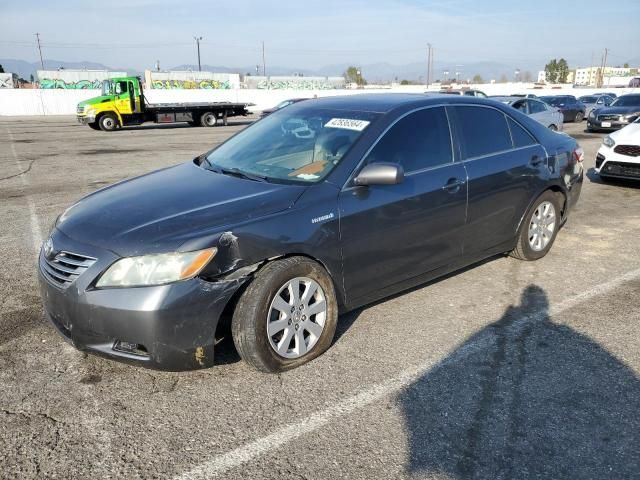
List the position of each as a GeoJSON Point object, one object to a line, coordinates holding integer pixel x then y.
{"type": "Point", "coordinates": [551, 71]}
{"type": "Point", "coordinates": [1, 69]}
{"type": "Point", "coordinates": [563, 70]}
{"type": "Point", "coordinates": [31, 79]}
{"type": "Point", "coordinates": [626, 65]}
{"type": "Point", "coordinates": [404, 82]}
{"type": "Point", "coordinates": [354, 75]}
{"type": "Point", "coordinates": [477, 79]}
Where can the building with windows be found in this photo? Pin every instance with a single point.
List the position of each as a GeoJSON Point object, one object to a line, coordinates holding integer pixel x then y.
{"type": "Point", "coordinates": [591, 75]}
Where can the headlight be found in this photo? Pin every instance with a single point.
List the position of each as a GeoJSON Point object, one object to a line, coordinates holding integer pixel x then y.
{"type": "Point", "coordinates": [631, 116]}
{"type": "Point", "coordinates": [90, 112]}
{"type": "Point", "coordinates": [155, 269]}
{"type": "Point", "coordinates": [608, 141]}
{"type": "Point", "coordinates": [592, 114]}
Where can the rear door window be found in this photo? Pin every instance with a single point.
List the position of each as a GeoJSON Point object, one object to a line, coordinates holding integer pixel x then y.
{"type": "Point", "coordinates": [482, 131]}
{"type": "Point", "coordinates": [519, 135]}
{"type": "Point", "coordinates": [536, 107]}
{"type": "Point", "coordinates": [418, 141]}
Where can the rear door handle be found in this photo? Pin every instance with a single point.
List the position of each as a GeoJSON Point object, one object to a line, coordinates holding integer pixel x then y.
{"type": "Point", "coordinates": [453, 185]}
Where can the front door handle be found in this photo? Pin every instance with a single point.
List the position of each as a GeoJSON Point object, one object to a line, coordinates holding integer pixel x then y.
{"type": "Point", "coordinates": [453, 185]}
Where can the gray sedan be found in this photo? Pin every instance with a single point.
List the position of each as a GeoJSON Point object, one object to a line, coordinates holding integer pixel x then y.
{"type": "Point", "coordinates": [547, 115]}
{"type": "Point", "coordinates": [595, 101]}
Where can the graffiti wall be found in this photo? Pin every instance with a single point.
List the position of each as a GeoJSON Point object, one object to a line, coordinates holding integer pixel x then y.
{"type": "Point", "coordinates": [181, 80]}
{"type": "Point", "coordinates": [8, 80]}
{"type": "Point", "coordinates": [295, 83]}
{"type": "Point", "coordinates": [75, 79]}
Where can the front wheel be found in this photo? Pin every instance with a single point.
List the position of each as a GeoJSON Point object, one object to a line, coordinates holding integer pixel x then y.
{"type": "Point", "coordinates": [579, 117]}
{"type": "Point", "coordinates": [539, 228]}
{"type": "Point", "coordinates": [287, 316]}
{"type": "Point", "coordinates": [94, 126]}
{"type": "Point", "coordinates": [208, 119]}
{"type": "Point", "coordinates": [108, 122]}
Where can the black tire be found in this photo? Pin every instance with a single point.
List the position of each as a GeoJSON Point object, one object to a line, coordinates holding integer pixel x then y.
{"type": "Point", "coordinates": [579, 117]}
{"type": "Point", "coordinates": [524, 250]}
{"type": "Point", "coordinates": [108, 122]}
{"type": "Point", "coordinates": [94, 125]}
{"type": "Point", "coordinates": [249, 323]}
{"type": "Point", "coordinates": [208, 119]}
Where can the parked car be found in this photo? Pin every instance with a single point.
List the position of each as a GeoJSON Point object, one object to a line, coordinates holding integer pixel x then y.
{"type": "Point", "coordinates": [280, 228]}
{"type": "Point", "coordinates": [547, 115]}
{"type": "Point", "coordinates": [524, 95]}
{"type": "Point", "coordinates": [623, 111]}
{"type": "Point", "coordinates": [595, 101]}
{"type": "Point", "coordinates": [467, 92]}
{"type": "Point", "coordinates": [569, 106]}
{"type": "Point", "coordinates": [282, 104]}
{"type": "Point", "coordinates": [619, 155]}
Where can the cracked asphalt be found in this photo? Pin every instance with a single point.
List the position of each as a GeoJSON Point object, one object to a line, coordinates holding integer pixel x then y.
{"type": "Point", "coordinates": [505, 370]}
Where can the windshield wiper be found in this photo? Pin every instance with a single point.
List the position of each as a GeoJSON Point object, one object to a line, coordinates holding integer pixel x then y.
{"type": "Point", "coordinates": [239, 173]}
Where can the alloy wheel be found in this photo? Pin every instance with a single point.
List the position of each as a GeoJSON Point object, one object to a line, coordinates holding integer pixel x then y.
{"type": "Point", "coordinates": [541, 226]}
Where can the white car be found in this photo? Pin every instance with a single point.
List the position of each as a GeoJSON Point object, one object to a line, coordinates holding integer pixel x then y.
{"type": "Point", "coordinates": [619, 155]}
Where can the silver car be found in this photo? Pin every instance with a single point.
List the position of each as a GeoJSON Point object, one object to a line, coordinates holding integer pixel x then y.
{"type": "Point", "coordinates": [547, 115]}
{"type": "Point", "coordinates": [595, 101]}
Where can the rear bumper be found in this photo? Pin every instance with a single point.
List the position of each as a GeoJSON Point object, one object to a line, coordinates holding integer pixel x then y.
{"type": "Point", "coordinates": [168, 327]}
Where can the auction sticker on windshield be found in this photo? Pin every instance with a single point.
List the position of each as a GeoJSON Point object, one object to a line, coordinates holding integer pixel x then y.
{"type": "Point", "coordinates": [347, 123]}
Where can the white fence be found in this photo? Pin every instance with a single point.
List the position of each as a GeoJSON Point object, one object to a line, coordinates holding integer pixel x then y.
{"type": "Point", "coordinates": [64, 102]}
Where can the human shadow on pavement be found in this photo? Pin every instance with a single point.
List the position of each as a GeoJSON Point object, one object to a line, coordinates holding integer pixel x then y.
{"type": "Point", "coordinates": [525, 398]}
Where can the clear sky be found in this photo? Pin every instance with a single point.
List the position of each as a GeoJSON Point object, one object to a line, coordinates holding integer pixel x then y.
{"type": "Point", "coordinates": [314, 33]}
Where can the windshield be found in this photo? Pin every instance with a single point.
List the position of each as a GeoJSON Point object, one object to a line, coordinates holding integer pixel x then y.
{"type": "Point", "coordinates": [106, 88]}
{"type": "Point", "coordinates": [588, 99]}
{"type": "Point", "coordinates": [555, 101]}
{"type": "Point", "coordinates": [300, 144]}
{"type": "Point", "coordinates": [627, 101]}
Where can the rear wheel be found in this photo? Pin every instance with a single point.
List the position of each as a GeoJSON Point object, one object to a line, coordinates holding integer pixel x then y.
{"type": "Point", "coordinates": [108, 122]}
{"type": "Point", "coordinates": [287, 315]}
{"type": "Point", "coordinates": [539, 228]}
{"type": "Point", "coordinates": [208, 119]}
{"type": "Point", "coordinates": [579, 117]}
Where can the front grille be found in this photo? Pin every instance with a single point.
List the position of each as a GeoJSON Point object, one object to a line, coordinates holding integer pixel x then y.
{"type": "Point", "coordinates": [80, 110]}
{"type": "Point", "coordinates": [65, 267]}
{"type": "Point", "coordinates": [620, 169]}
{"type": "Point", "coordinates": [609, 117]}
{"type": "Point", "coordinates": [628, 150]}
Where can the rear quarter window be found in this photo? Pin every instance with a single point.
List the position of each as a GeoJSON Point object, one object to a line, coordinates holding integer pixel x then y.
{"type": "Point", "coordinates": [521, 138]}
{"type": "Point", "coordinates": [481, 131]}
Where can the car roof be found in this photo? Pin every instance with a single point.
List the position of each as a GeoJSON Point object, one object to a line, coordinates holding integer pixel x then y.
{"type": "Point", "coordinates": [385, 102]}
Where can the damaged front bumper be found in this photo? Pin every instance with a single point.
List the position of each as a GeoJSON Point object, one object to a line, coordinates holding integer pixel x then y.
{"type": "Point", "coordinates": [166, 327]}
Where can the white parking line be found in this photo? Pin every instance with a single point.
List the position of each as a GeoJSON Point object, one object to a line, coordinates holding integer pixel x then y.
{"type": "Point", "coordinates": [251, 451]}
{"type": "Point", "coordinates": [36, 234]}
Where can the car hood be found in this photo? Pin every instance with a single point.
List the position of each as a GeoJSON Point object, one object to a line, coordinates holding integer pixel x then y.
{"type": "Point", "coordinates": [618, 110]}
{"type": "Point", "coordinates": [629, 135]}
{"type": "Point", "coordinates": [160, 211]}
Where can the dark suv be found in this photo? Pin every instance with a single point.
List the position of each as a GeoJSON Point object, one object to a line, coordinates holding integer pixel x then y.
{"type": "Point", "coordinates": [623, 111]}
{"type": "Point", "coordinates": [319, 208]}
{"type": "Point", "coordinates": [571, 108]}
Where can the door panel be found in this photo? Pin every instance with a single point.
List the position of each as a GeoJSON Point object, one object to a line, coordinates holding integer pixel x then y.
{"type": "Point", "coordinates": [390, 233]}
{"type": "Point", "coordinates": [122, 100]}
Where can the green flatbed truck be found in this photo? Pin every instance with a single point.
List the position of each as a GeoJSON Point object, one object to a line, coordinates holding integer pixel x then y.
{"type": "Point", "coordinates": [122, 102]}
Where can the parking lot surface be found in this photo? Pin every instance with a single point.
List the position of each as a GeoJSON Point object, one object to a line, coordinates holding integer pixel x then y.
{"type": "Point", "coordinates": [505, 370]}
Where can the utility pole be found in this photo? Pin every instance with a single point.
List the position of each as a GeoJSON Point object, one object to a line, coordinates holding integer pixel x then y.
{"type": "Point", "coordinates": [428, 64]}
{"type": "Point", "coordinates": [197, 39]}
{"type": "Point", "coordinates": [264, 65]}
{"type": "Point", "coordinates": [604, 64]}
{"type": "Point", "coordinates": [40, 50]}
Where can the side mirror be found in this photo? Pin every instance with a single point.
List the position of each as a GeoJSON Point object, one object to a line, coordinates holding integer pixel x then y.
{"type": "Point", "coordinates": [380, 174]}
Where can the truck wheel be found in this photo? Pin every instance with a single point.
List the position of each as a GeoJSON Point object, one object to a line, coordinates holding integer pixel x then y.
{"type": "Point", "coordinates": [208, 119]}
{"type": "Point", "coordinates": [286, 316]}
{"type": "Point", "coordinates": [108, 122]}
{"type": "Point", "coordinates": [94, 125]}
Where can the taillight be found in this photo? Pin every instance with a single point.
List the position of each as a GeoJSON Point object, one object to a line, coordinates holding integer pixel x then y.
{"type": "Point", "coordinates": [578, 154]}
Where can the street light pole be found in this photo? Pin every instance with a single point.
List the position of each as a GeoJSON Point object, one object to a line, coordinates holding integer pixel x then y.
{"type": "Point", "coordinates": [197, 39]}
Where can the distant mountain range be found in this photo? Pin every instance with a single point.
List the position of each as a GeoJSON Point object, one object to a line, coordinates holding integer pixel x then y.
{"type": "Point", "coordinates": [374, 73]}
